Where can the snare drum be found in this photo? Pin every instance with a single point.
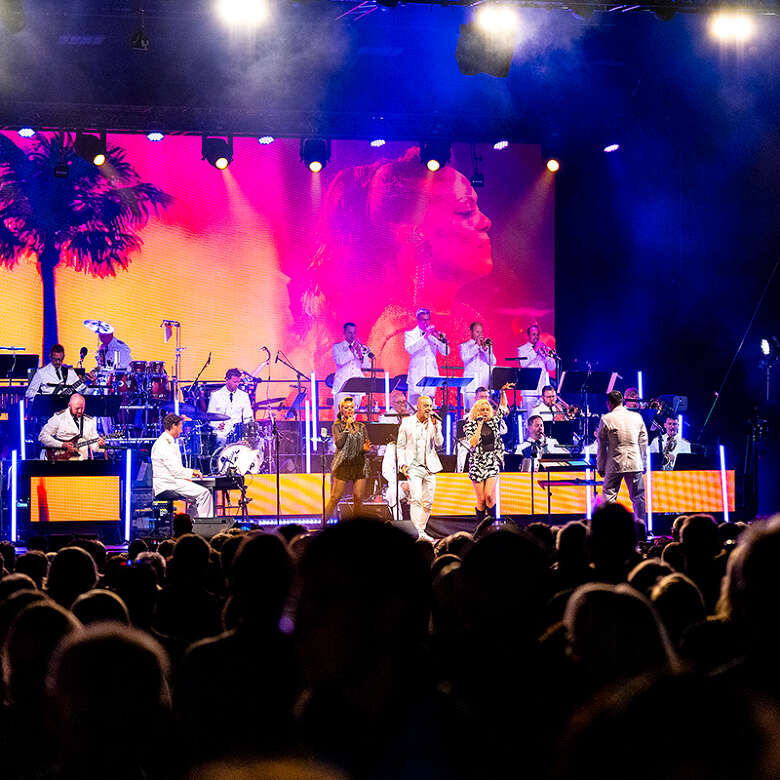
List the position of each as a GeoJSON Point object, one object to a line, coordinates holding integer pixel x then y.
{"type": "Point", "coordinates": [239, 456]}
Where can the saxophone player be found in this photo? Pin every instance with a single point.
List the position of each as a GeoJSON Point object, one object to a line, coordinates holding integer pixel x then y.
{"type": "Point", "coordinates": [670, 443]}
{"type": "Point", "coordinates": [350, 357]}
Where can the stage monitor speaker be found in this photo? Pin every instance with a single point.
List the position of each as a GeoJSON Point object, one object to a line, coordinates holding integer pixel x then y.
{"type": "Point", "coordinates": [376, 511]}
{"type": "Point", "coordinates": [211, 526]}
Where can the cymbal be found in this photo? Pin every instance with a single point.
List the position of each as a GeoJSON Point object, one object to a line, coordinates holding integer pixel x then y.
{"type": "Point", "coordinates": [267, 402]}
{"type": "Point", "coordinates": [98, 326]}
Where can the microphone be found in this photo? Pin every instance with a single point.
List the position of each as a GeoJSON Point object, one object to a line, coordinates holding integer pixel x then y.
{"type": "Point", "coordinates": [435, 416]}
{"type": "Point", "coordinates": [83, 352]}
{"type": "Point", "coordinates": [441, 337]}
{"type": "Point", "coordinates": [277, 356]}
{"type": "Point", "coordinates": [208, 362]}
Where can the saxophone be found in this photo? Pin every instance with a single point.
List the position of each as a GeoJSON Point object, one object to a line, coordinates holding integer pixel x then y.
{"type": "Point", "coordinates": [669, 447]}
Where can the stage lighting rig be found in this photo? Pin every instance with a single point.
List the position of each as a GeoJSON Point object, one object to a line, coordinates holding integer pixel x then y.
{"type": "Point", "coordinates": [218, 151]}
{"type": "Point", "coordinates": [243, 14]}
{"type": "Point", "coordinates": [435, 154]}
{"type": "Point", "coordinates": [315, 153]}
{"type": "Point", "coordinates": [486, 43]}
{"type": "Point", "coordinates": [91, 147]}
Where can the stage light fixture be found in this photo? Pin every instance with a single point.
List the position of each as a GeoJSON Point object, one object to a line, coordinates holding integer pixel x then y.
{"type": "Point", "coordinates": [155, 136]}
{"type": "Point", "coordinates": [265, 140]}
{"type": "Point", "coordinates": [245, 14]}
{"type": "Point", "coordinates": [496, 19]}
{"type": "Point", "coordinates": [435, 154]}
{"type": "Point", "coordinates": [315, 153]}
{"type": "Point", "coordinates": [91, 147]}
{"type": "Point", "coordinates": [26, 132]}
{"type": "Point", "coordinates": [765, 348]}
{"type": "Point", "coordinates": [218, 151]}
{"type": "Point", "coordinates": [377, 142]}
{"type": "Point", "coordinates": [499, 145]}
{"type": "Point", "coordinates": [611, 148]}
{"type": "Point", "coordinates": [486, 43]}
{"type": "Point", "coordinates": [732, 27]}
{"type": "Point", "coordinates": [553, 165]}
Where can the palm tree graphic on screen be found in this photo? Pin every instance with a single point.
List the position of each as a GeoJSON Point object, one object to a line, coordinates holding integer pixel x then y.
{"type": "Point", "coordinates": [86, 216]}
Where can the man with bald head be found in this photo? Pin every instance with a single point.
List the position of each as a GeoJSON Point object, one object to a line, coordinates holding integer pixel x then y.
{"type": "Point", "coordinates": [70, 423]}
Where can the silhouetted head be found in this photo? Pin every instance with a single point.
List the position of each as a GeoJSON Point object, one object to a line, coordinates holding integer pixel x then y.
{"type": "Point", "coordinates": [72, 572]}
{"type": "Point", "coordinates": [35, 565]}
{"type": "Point", "coordinates": [190, 558]}
{"type": "Point", "coordinates": [644, 575]}
{"type": "Point", "coordinates": [13, 583]}
{"type": "Point", "coordinates": [96, 606]}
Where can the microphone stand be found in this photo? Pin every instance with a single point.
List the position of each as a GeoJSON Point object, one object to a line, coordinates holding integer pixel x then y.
{"type": "Point", "coordinates": [282, 358]}
{"type": "Point", "coordinates": [275, 433]}
{"type": "Point", "coordinates": [324, 438]}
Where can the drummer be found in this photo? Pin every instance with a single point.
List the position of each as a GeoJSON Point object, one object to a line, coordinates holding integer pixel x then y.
{"type": "Point", "coordinates": [112, 352]}
{"type": "Point", "coordinates": [233, 402]}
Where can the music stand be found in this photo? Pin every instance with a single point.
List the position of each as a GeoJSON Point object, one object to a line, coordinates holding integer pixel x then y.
{"type": "Point", "coordinates": [295, 406]}
{"type": "Point", "coordinates": [102, 405]}
{"type": "Point", "coordinates": [591, 382]}
{"type": "Point", "coordinates": [562, 430]}
{"type": "Point", "coordinates": [47, 405]}
{"type": "Point", "coordinates": [365, 385]}
{"type": "Point", "coordinates": [382, 433]}
{"type": "Point", "coordinates": [442, 381]}
{"type": "Point", "coordinates": [17, 366]}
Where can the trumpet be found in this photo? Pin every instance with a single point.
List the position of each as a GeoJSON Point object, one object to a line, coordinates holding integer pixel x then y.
{"type": "Point", "coordinates": [545, 351]}
{"type": "Point", "coordinates": [362, 351]}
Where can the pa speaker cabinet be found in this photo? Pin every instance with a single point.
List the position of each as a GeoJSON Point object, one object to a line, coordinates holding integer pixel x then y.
{"type": "Point", "coordinates": [376, 511]}
{"type": "Point", "coordinates": [211, 526]}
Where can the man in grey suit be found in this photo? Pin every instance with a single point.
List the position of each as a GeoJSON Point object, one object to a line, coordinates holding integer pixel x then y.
{"type": "Point", "coordinates": [622, 439]}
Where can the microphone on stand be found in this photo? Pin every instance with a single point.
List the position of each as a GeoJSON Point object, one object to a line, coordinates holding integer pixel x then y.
{"type": "Point", "coordinates": [208, 362]}
{"type": "Point", "coordinates": [277, 356]}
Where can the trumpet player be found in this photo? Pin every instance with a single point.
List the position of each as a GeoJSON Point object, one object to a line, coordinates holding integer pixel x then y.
{"type": "Point", "coordinates": [423, 343]}
{"type": "Point", "coordinates": [478, 361]}
{"type": "Point", "coordinates": [350, 357]}
{"type": "Point", "coordinates": [536, 354]}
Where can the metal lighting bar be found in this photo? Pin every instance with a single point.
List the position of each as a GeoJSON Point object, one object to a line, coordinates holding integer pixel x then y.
{"type": "Point", "coordinates": [308, 436]}
{"type": "Point", "coordinates": [640, 385]}
{"type": "Point", "coordinates": [387, 392]}
{"type": "Point", "coordinates": [649, 495]}
{"type": "Point", "coordinates": [315, 417]}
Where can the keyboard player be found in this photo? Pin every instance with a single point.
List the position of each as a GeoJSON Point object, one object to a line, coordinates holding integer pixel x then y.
{"type": "Point", "coordinates": [170, 479]}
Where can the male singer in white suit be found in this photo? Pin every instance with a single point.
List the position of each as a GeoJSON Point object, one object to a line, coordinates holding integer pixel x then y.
{"type": "Point", "coordinates": [423, 343]}
{"type": "Point", "coordinates": [418, 437]}
{"type": "Point", "coordinates": [622, 438]}
{"type": "Point", "coordinates": [171, 478]}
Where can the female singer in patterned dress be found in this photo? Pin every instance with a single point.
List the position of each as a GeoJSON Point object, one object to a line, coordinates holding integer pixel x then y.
{"type": "Point", "coordinates": [349, 462]}
{"type": "Point", "coordinates": [487, 455]}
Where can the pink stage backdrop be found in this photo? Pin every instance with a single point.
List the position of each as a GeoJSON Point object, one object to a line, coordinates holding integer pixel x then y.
{"type": "Point", "coordinates": [265, 253]}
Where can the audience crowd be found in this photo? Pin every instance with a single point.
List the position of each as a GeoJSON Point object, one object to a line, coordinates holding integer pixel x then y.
{"type": "Point", "coordinates": [573, 652]}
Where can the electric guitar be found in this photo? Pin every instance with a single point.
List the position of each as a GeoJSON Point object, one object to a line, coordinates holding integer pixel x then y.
{"type": "Point", "coordinates": [61, 453]}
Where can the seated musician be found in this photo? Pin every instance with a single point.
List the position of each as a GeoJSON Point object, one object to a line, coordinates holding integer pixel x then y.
{"type": "Point", "coordinates": [550, 407]}
{"type": "Point", "coordinates": [536, 445]}
{"type": "Point", "coordinates": [670, 443]}
{"type": "Point", "coordinates": [71, 434]}
{"type": "Point", "coordinates": [170, 479]}
{"type": "Point", "coordinates": [232, 401]}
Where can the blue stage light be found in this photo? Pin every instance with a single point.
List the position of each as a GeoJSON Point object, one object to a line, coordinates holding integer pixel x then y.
{"type": "Point", "coordinates": [499, 145]}
{"type": "Point", "coordinates": [611, 148]}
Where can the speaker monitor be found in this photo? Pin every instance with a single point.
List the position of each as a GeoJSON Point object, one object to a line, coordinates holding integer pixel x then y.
{"type": "Point", "coordinates": [211, 526]}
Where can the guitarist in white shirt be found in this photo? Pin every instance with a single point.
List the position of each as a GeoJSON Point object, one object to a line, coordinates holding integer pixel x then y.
{"type": "Point", "coordinates": [68, 424]}
{"type": "Point", "coordinates": [46, 378]}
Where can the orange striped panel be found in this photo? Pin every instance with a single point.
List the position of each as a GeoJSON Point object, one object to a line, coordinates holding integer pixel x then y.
{"type": "Point", "coordinates": [93, 499]}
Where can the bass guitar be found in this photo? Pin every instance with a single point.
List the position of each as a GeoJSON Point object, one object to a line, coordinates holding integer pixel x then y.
{"type": "Point", "coordinates": [63, 453]}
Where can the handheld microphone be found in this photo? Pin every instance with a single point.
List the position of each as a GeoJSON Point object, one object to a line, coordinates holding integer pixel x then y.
{"type": "Point", "coordinates": [435, 416]}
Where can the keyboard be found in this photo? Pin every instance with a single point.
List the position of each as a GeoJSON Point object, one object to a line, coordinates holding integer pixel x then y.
{"type": "Point", "coordinates": [220, 482]}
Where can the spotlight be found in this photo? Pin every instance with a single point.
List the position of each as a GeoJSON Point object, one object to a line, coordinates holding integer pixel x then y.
{"type": "Point", "coordinates": [496, 19]}
{"type": "Point", "coordinates": [315, 153]}
{"type": "Point", "coordinates": [155, 136]}
{"type": "Point", "coordinates": [218, 151]}
{"type": "Point", "coordinates": [245, 14]}
{"type": "Point", "coordinates": [611, 148]}
{"type": "Point", "coordinates": [486, 44]}
{"type": "Point", "coordinates": [765, 348]}
{"type": "Point", "coordinates": [435, 154]}
{"type": "Point", "coordinates": [26, 132]}
{"type": "Point", "coordinates": [553, 165]}
{"type": "Point", "coordinates": [265, 140]}
{"type": "Point", "coordinates": [732, 27]}
{"type": "Point", "coordinates": [499, 145]}
{"type": "Point", "coordinates": [91, 147]}
{"type": "Point", "coordinates": [377, 142]}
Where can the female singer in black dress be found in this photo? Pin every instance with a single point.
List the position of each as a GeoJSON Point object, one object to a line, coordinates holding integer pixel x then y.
{"type": "Point", "coordinates": [487, 456]}
{"type": "Point", "coordinates": [349, 462]}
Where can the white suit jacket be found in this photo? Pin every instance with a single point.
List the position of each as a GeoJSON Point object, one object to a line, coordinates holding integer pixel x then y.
{"type": "Point", "coordinates": [622, 440]}
{"type": "Point", "coordinates": [423, 350]}
{"type": "Point", "coordinates": [46, 375]}
{"type": "Point", "coordinates": [477, 363]}
{"type": "Point", "coordinates": [417, 443]}
{"type": "Point", "coordinates": [239, 409]}
{"type": "Point", "coordinates": [681, 447]}
{"type": "Point", "coordinates": [63, 426]}
{"type": "Point", "coordinates": [167, 468]}
{"type": "Point", "coordinates": [535, 361]}
{"type": "Point", "coordinates": [347, 365]}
